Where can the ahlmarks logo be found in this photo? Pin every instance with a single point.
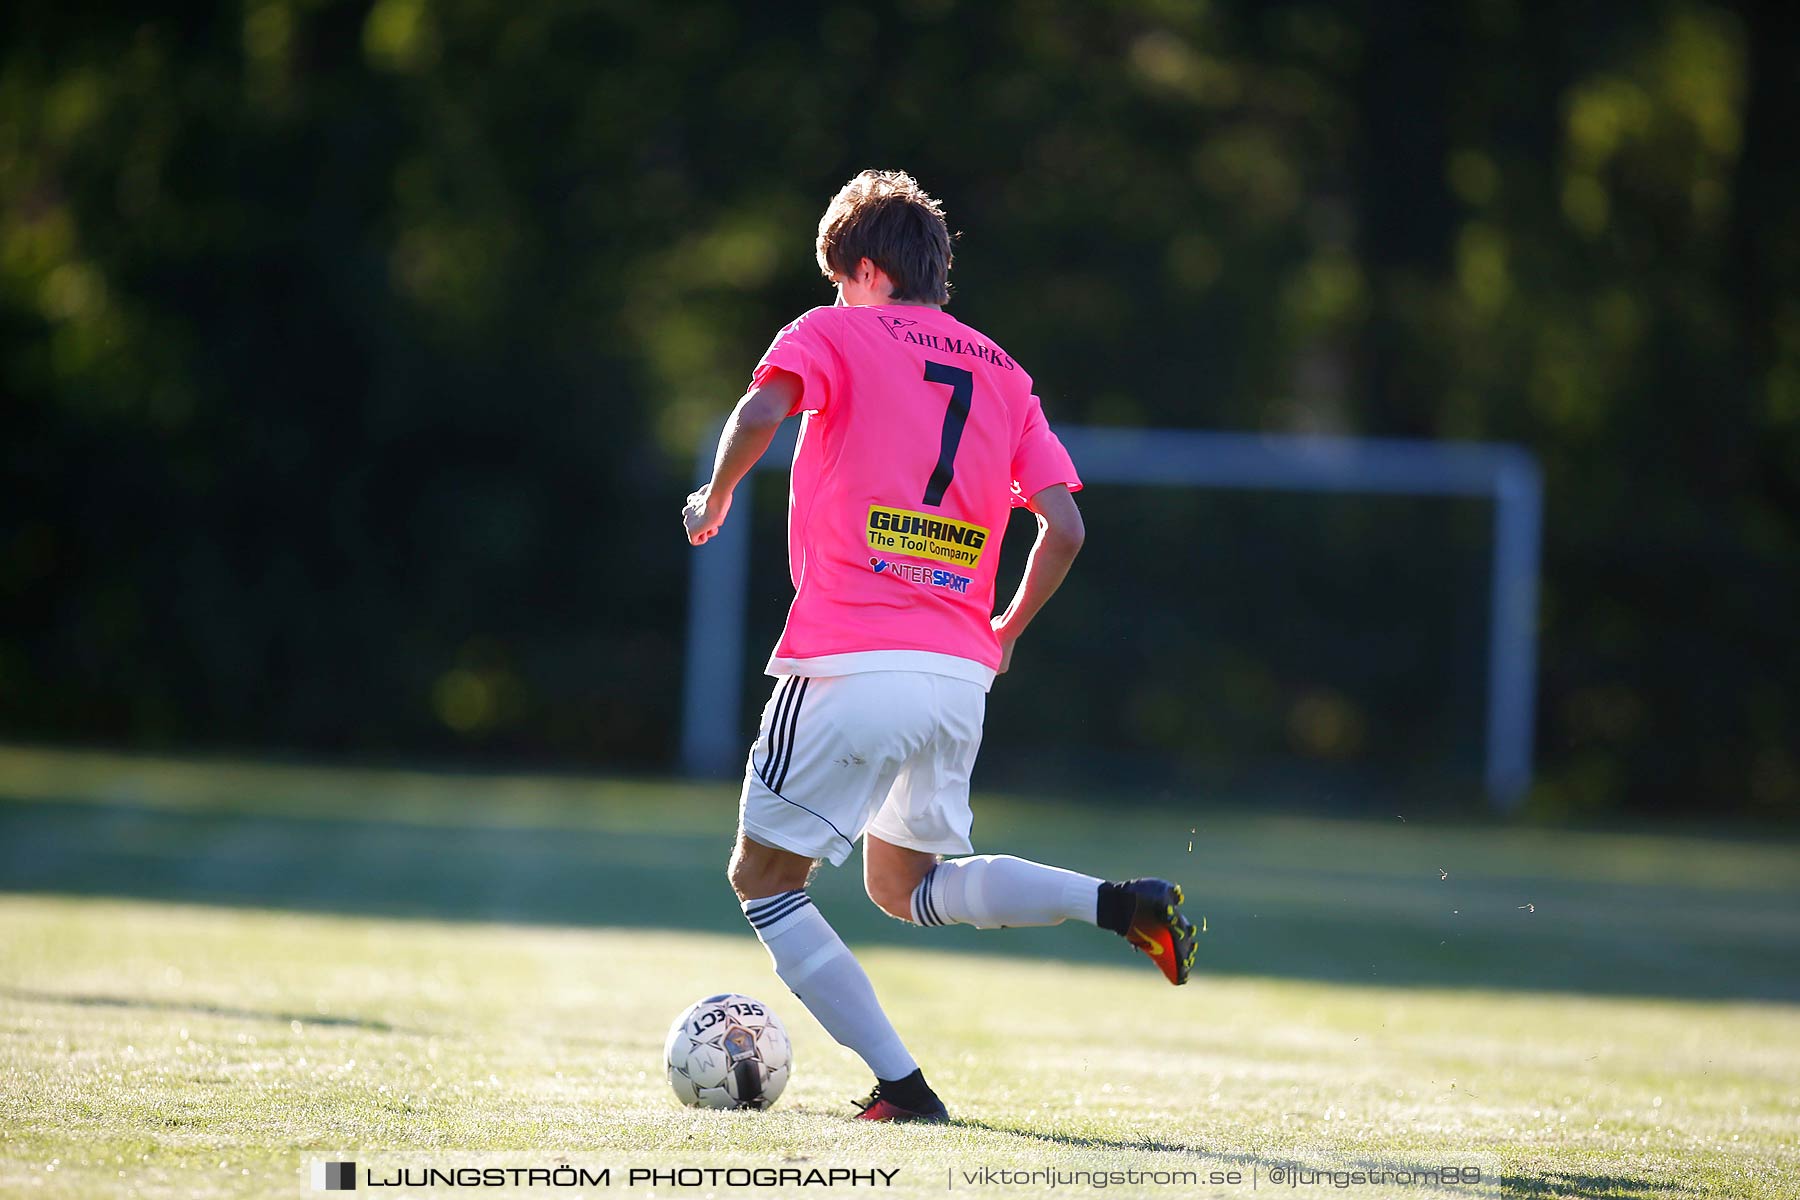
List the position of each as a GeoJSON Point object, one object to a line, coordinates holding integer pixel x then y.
{"type": "Point", "coordinates": [895, 325]}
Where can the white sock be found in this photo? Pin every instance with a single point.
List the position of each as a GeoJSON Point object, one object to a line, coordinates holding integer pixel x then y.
{"type": "Point", "coordinates": [818, 968]}
{"type": "Point", "coordinates": [997, 891]}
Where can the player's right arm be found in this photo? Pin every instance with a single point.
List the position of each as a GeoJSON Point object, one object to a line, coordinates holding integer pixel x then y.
{"type": "Point", "coordinates": [1060, 534]}
{"type": "Point", "coordinates": [746, 436]}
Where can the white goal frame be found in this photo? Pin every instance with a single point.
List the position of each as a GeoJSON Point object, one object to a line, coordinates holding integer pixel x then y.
{"type": "Point", "coordinates": [713, 742]}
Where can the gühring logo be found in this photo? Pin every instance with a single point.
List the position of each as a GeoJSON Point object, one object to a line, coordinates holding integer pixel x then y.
{"type": "Point", "coordinates": [922, 535]}
{"type": "Point", "coordinates": [929, 576]}
{"type": "Point", "coordinates": [334, 1177]}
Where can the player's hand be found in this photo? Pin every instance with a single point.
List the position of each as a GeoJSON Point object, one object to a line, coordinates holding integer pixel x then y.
{"type": "Point", "coordinates": [704, 513]}
{"type": "Point", "coordinates": [1006, 648]}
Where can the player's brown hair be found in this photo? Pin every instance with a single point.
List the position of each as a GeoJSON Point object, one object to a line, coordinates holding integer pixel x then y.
{"type": "Point", "coordinates": [886, 217]}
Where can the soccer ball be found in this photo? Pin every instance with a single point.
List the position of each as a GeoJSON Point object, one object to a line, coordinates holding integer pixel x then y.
{"type": "Point", "coordinates": [728, 1051]}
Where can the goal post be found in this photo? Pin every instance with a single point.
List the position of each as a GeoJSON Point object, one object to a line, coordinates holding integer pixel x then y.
{"type": "Point", "coordinates": [713, 742]}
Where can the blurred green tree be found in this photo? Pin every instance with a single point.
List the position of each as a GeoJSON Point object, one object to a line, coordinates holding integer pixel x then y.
{"type": "Point", "coordinates": [354, 354]}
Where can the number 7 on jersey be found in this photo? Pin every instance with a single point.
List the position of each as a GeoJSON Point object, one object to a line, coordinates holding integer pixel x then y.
{"type": "Point", "coordinates": [962, 394]}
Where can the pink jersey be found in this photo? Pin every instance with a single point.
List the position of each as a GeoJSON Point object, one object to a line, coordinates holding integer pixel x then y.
{"type": "Point", "coordinates": [920, 437]}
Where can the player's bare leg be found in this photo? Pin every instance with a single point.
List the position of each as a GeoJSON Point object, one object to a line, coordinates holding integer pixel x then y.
{"type": "Point", "coordinates": [992, 891]}
{"type": "Point", "coordinates": [892, 873]}
{"type": "Point", "coordinates": [819, 969]}
{"type": "Point", "coordinates": [757, 870]}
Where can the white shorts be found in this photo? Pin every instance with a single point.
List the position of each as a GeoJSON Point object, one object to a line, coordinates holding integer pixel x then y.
{"type": "Point", "coordinates": [886, 752]}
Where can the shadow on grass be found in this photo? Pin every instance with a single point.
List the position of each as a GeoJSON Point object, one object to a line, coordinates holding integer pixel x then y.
{"type": "Point", "coordinates": [1554, 1185]}
{"type": "Point", "coordinates": [203, 1010]}
{"type": "Point", "coordinates": [1267, 914]}
{"type": "Point", "coordinates": [1076, 1141]}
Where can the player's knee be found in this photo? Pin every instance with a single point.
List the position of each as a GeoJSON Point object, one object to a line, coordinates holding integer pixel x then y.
{"type": "Point", "coordinates": [891, 895]}
{"type": "Point", "coordinates": [745, 875]}
{"type": "Point", "coordinates": [751, 880]}
{"type": "Point", "coordinates": [756, 870]}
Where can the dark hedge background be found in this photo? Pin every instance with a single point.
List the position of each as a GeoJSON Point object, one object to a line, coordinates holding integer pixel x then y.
{"type": "Point", "coordinates": [354, 355]}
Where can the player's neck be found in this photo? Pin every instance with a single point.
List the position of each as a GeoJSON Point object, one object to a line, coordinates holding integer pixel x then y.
{"type": "Point", "coordinates": [869, 298]}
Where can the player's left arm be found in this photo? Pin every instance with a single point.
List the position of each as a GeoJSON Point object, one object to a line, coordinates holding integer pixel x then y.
{"type": "Point", "coordinates": [1060, 535]}
{"type": "Point", "coordinates": [747, 435]}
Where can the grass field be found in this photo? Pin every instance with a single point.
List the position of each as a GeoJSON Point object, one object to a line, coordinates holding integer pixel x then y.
{"type": "Point", "coordinates": [208, 970]}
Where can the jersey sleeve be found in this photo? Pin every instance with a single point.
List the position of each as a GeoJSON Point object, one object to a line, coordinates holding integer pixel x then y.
{"type": "Point", "coordinates": [803, 348]}
{"type": "Point", "coordinates": [1039, 460]}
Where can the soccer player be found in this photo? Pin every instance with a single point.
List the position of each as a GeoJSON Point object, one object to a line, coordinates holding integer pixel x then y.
{"type": "Point", "coordinates": [919, 436]}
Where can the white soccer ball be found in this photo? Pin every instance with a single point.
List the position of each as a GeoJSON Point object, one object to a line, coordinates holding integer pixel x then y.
{"type": "Point", "coordinates": [728, 1051]}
